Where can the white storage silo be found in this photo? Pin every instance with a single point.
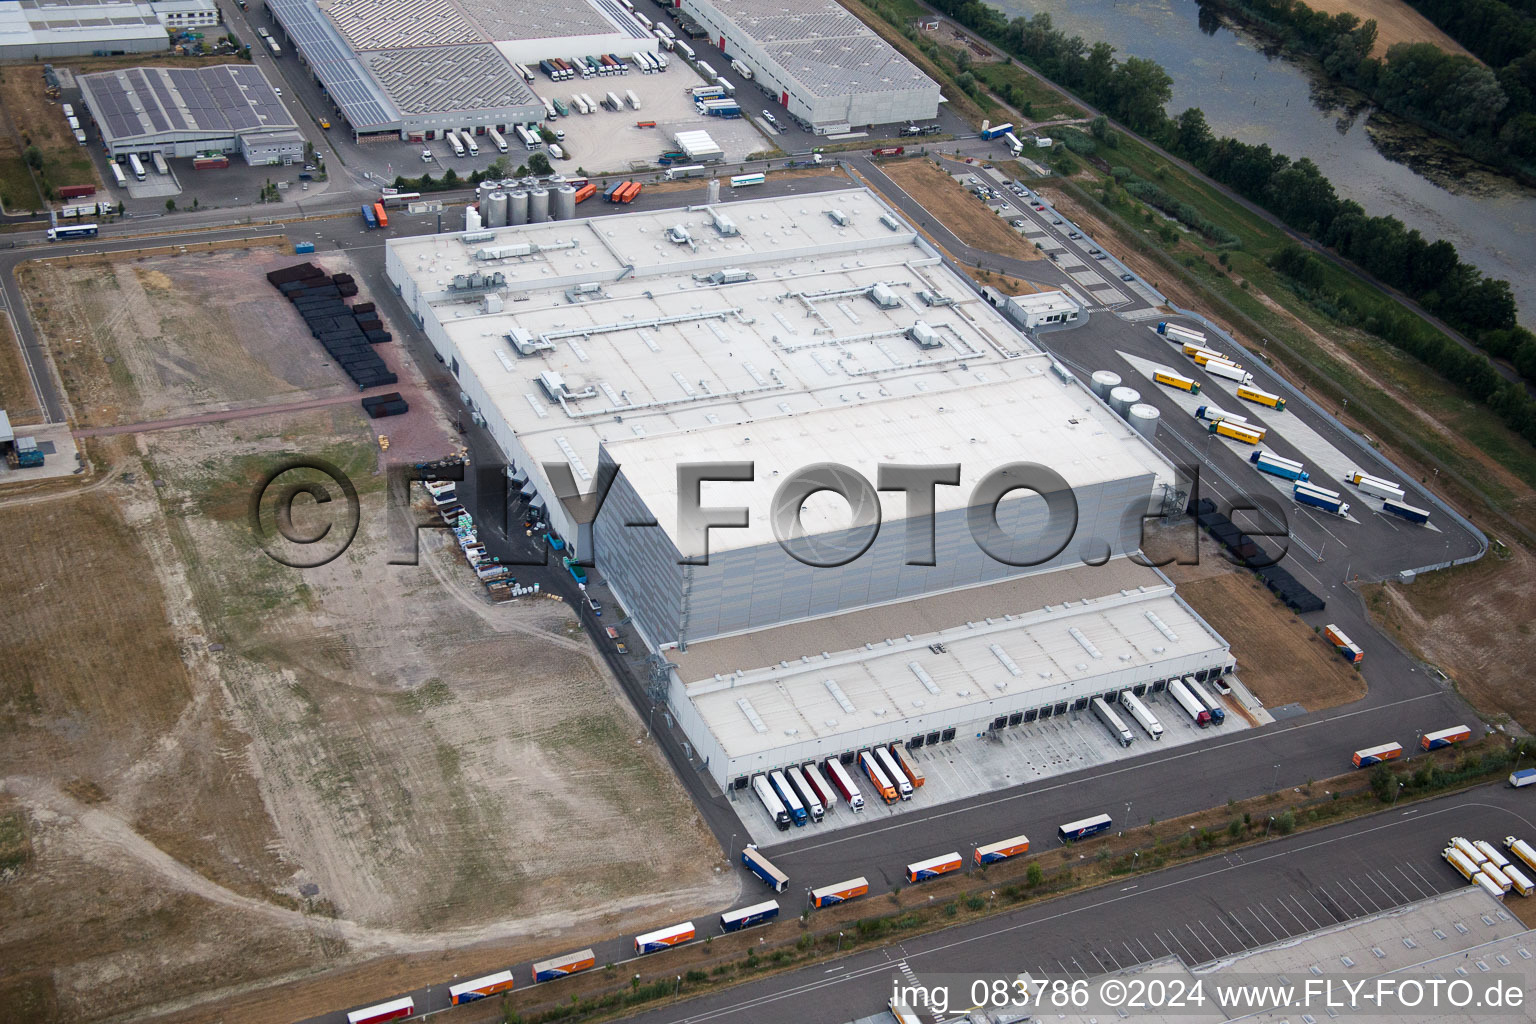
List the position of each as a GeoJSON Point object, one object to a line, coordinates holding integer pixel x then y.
{"type": "Point", "coordinates": [1103, 382]}
{"type": "Point", "coordinates": [1143, 419]}
{"type": "Point", "coordinates": [517, 207]}
{"type": "Point", "coordinates": [714, 190]}
{"type": "Point", "coordinates": [1121, 399]}
{"type": "Point", "coordinates": [538, 206]}
{"type": "Point", "coordinates": [493, 210]}
{"type": "Point", "coordinates": [471, 219]}
{"type": "Point", "coordinates": [565, 203]}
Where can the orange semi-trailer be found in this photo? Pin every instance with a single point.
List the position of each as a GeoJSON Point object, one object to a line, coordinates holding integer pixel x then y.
{"type": "Point", "coordinates": [378, 211]}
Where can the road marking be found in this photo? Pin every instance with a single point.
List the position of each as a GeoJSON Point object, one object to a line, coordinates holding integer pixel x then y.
{"type": "Point", "coordinates": [1300, 906]}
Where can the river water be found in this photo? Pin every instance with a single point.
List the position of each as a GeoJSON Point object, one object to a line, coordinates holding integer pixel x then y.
{"type": "Point", "coordinates": [1261, 99]}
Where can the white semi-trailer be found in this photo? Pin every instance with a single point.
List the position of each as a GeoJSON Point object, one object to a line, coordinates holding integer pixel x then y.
{"type": "Point", "coordinates": [1143, 714]}
{"type": "Point", "coordinates": [1112, 722]}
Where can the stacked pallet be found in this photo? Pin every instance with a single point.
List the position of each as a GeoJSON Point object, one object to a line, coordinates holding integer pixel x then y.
{"type": "Point", "coordinates": [346, 333]}
{"type": "Point", "coordinates": [392, 404]}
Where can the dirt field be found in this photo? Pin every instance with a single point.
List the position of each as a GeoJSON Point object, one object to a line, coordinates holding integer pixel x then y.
{"type": "Point", "coordinates": [1396, 22]}
{"type": "Point", "coordinates": [971, 221]}
{"type": "Point", "coordinates": [230, 773]}
{"type": "Point", "coordinates": [1279, 657]}
{"type": "Point", "coordinates": [151, 337]}
{"type": "Point", "coordinates": [16, 395]}
{"type": "Point", "coordinates": [1476, 623]}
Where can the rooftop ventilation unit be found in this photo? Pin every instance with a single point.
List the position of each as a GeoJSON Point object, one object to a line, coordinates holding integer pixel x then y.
{"type": "Point", "coordinates": [925, 336]}
{"type": "Point", "coordinates": [526, 344]}
{"type": "Point", "coordinates": [499, 252]}
{"type": "Point", "coordinates": [731, 275]}
{"type": "Point", "coordinates": [724, 224]}
{"type": "Point", "coordinates": [553, 385]}
{"type": "Point", "coordinates": [882, 296]}
{"type": "Point", "coordinates": [890, 222]}
{"type": "Point", "coordinates": [838, 217]}
{"type": "Point", "coordinates": [931, 299]}
{"type": "Point", "coordinates": [477, 282]}
{"type": "Point", "coordinates": [678, 234]}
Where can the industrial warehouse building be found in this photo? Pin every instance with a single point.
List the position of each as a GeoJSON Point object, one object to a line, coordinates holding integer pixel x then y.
{"type": "Point", "coordinates": [36, 30]}
{"type": "Point", "coordinates": [823, 64]}
{"type": "Point", "coordinates": [416, 68]}
{"type": "Point", "coordinates": [184, 112]}
{"type": "Point", "coordinates": [791, 332]}
{"type": "Point", "coordinates": [1035, 309]}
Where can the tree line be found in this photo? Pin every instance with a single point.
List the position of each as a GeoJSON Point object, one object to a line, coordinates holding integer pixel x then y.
{"type": "Point", "coordinates": [1489, 111]}
{"type": "Point", "coordinates": [1135, 90]}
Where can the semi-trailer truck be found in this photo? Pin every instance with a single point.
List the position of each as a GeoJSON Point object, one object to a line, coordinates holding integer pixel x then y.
{"type": "Point", "coordinates": [662, 938]}
{"type": "Point", "coordinates": [797, 812]}
{"type": "Point", "coordinates": [839, 892]}
{"type": "Point", "coordinates": [996, 131]}
{"type": "Point", "coordinates": [877, 777]}
{"type": "Point", "coordinates": [1201, 694]}
{"type": "Point", "coordinates": [908, 766]}
{"type": "Point", "coordinates": [1317, 497]}
{"type": "Point", "coordinates": [1238, 431]}
{"type": "Point", "coordinates": [560, 966]}
{"type": "Point", "coordinates": [1445, 738]}
{"type": "Point", "coordinates": [824, 792]}
{"type": "Point", "coordinates": [771, 802]}
{"type": "Point", "coordinates": [1258, 396]}
{"type": "Point", "coordinates": [994, 852]}
{"type": "Point", "coordinates": [1376, 755]}
{"type": "Point", "coordinates": [763, 868]}
{"type": "Point", "coordinates": [1380, 488]}
{"type": "Point", "coordinates": [923, 870]}
{"type": "Point", "coordinates": [1143, 714]}
{"type": "Point", "coordinates": [893, 772]}
{"type": "Point", "coordinates": [1174, 380]}
{"type": "Point", "coordinates": [1492, 852]}
{"type": "Point", "coordinates": [498, 139]}
{"type": "Point", "coordinates": [1522, 778]}
{"type": "Point", "coordinates": [1215, 415]}
{"type": "Point", "coordinates": [1173, 332]}
{"type": "Point", "coordinates": [1229, 371]}
{"type": "Point", "coordinates": [803, 790]}
{"type": "Point", "coordinates": [1274, 465]}
{"type": "Point", "coordinates": [1112, 722]}
{"type": "Point", "coordinates": [746, 917]}
{"type": "Point", "coordinates": [1347, 648]}
{"type": "Point", "coordinates": [1464, 867]}
{"type": "Point", "coordinates": [843, 780]}
{"type": "Point", "coordinates": [1405, 511]}
{"type": "Point", "coordinates": [1186, 700]}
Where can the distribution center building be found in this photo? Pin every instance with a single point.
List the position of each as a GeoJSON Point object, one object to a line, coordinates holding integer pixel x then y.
{"type": "Point", "coordinates": [415, 69]}
{"type": "Point", "coordinates": [184, 112]}
{"type": "Point", "coordinates": [79, 28]}
{"type": "Point", "coordinates": [819, 61]}
{"type": "Point", "coordinates": [788, 334]}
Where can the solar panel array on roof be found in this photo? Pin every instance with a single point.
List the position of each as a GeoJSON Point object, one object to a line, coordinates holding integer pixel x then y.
{"type": "Point", "coordinates": [221, 101]}
{"type": "Point", "coordinates": [334, 63]}
{"type": "Point", "coordinates": [449, 78]}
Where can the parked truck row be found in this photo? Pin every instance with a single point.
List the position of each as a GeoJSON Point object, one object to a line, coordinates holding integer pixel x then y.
{"type": "Point", "coordinates": [564, 69]}
{"type": "Point", "coordinates": [1484, 865]}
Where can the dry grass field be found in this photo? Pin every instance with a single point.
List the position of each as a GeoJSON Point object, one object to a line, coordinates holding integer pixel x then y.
{"type": "Point", "coordinates": [16, 395]}
{"type": "Point", "coordinates": [219, 774]}
{"type": "Point", "coordinates": [1396, 22]}
{"type": "Point", "coordinates": [947, 200]}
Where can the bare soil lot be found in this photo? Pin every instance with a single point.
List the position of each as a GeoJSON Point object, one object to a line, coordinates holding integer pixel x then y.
{"type": "Point", "coordinates": [1476, 623]}
{"type": "Point", "coordinates": [971, 221]}
{"type": "Point", "coordinates": [225, 773]}
{"type": "Point", "coordinates": [150, 337]}
{"type": "Point", "coordinates": [1279, 657]}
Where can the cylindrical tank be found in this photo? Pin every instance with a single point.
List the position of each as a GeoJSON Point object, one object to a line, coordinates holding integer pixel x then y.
{"type": "Point", "coordinates": [471, 219]}
{"type": "Point", "coordinates": [714, 190]}
{"type": "Point", "coordinates": [484, 189]}
{"type": "Point", "coordinates": [493, 210]}
{"type": "Point", "coordinates": [1143, 419]}
{"type": "Point", "coordinates": [1103, 382]}
{"type": "Point", "coordinates": [1122, 398]}
{"type": "Point", "coordinates": [517, 207]}
{"type": "Point", "coordinates": [565, 203]}
{"type": "Point", "coordinates": [538, 206]}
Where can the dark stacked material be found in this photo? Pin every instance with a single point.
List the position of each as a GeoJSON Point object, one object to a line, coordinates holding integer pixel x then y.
{"type": "Point", "coordinates": [385, 405]}
{"type": "Point", "coordinates": [1249, 554]}
{"type": "Point", "coordinates": [346, 333]}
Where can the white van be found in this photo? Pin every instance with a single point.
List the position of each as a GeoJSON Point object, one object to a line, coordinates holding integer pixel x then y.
{"type": "Point", "coordinates": [426, 156]}
{"type": "Point", "coordinates": [556, 152]}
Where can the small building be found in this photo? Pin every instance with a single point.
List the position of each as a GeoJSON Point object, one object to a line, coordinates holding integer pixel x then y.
{"type": "Point", "coordinates": [262, 149]}
{"type": "Point", "coordinates": [188, 111]}
{"type": "Point", "coordinates": [182, 14]}
{"type": "Point", "coordinates": [1042, 309]}
{"type": "Point", "coordinates": [79, 28]}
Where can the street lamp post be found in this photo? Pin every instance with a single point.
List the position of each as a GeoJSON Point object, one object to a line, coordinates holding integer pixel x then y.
{"type": "Point", "coordinates": [1268, 824]}
{"type": "Point", "coordinates": [839, 942]}
{"type": "Point", "coordinates": [1398, 793]}
{"type": "Point", "coordinates": [1276, 784]}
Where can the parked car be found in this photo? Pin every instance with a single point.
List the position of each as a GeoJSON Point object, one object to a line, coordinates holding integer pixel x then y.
{"type": "Point", "coordinates": [1127, 277]}
{"type": "Point", "coordinates": [1018, 223]}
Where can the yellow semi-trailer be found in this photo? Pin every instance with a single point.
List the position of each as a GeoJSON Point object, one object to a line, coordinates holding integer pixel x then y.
{"type": "Point", "coordinates": [1260, 397]}
{"type": "Point", "coordinates": [1174, 380]}
{"type": "Point", "coordinates": [1238, 431]}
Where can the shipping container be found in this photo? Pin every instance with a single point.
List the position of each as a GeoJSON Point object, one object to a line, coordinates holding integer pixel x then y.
{"type": "Point", "coordinates": [396, 1009]}
{"type": "Point", "coordinates": [1238, 431]}
{"type": "Point", "coordinates": [1523, 777]}
{"type": "Point", "coordinates": [1085, 828]}
{"type": "Point", "coordinates": [560, 966]}
{"type": "Point", "coordinates": [159, 162]}
{"type": "Point", "coordinates": [586, 192]}
{"type": "Point", "coordinates": [842, 892]}
{"type": "Point", "coordinates": [934, 867]}
{"type": "Point", "coordinates": [1405, 511]}
{"type": "Point", "coordinates": [1192, 707]}
{"type": "Point", "coordinates": [480, 988]}
{"type": "Point", "coordinates": [380, 215]}
{"type": "Point", "coordinates": [1174, 380]}
{"type": "Point", "coordinates": [1143, 715]}
{"type": "Point", "coordinates": [771, 802]}
{"type": "Point", "coordinates": [1376, 755]}
{"type": "Point", "coordinates": [1445, 737]}
{"type": "Point", "coordinates": [763, 868]}
{"type": "Point", "coordinates": [1201, 694]}
{"type": "Point", "coordinates": [1260, 397]}
{"type": "Point", "coordinates": [211, 162]}
{"type": "Point", "coordinates": [877, 776]}
{"type": "Point", "coordinates": [370, 218]}
{"type": "Point", "coordinates": [813, 804]}
{"type": "Point", "coordinates": [797, 811]}
{"type": "Point", "coordinates": [629, 194]}
{"type": "Point", "coordinates": [909, 768]}
{"type": "Point", "coordinates": [746, 917]}
{"type": "Point", "coordinates": [843, 780]}
{"type": "Point", "coordinates": [633, 100]}
{"type": "Point", "coordinates": [661, 938]}
{"type": "Point", "coordinates": [1465, 868]}
{"type": "Point", "coordinates": [893, 772]}
{"type": "Point", "coordinates": [994, 852]}
{"type": "Point", "coordinates": [1112, 722]}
